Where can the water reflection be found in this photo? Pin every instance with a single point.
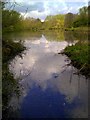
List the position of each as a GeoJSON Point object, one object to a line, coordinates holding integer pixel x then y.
{"type": "Point", "coordinates": [49, 86]}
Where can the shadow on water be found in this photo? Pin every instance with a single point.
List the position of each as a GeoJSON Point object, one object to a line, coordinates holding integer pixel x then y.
{"type": "Point", "coordinates": [48, 85]}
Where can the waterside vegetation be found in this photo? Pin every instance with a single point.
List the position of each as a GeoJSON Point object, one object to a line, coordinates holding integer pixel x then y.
{"type": "Point", "coordinates": [79, 55]}
{"type": "Point", "coordinates": [9, 84]}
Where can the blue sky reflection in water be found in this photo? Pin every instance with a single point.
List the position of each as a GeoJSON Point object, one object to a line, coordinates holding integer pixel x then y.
{"type": "Point", "coordinates": [49, 87]}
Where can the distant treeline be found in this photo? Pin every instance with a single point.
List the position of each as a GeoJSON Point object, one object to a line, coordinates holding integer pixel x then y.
{"type": "Point", "coordinates": [14, 21]}
{"type": "Point", "coordinates": [69, 20]}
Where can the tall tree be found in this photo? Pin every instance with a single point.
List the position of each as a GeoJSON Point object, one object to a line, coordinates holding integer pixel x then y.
{"type": "Point", "coordinates": [68, 20]}
{"type": "Point", "coordinates": [82, 18]}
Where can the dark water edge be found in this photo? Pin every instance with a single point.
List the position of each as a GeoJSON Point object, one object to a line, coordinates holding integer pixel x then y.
{"type": "Point", "coordinates": [9, 84]}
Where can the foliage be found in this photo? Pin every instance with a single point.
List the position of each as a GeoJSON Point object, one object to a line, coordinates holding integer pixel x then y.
{"type": "Point", "coordinates": [10, 19]}
{"type": "Point", "coordinates": [31, 24]}
{"type": "Point", "coordinates": [10, 49]}
{"type": "Point", "coordinates": [77, 20]}
{"type": "Point", "coordinates": [54, 22]}
{"type": "Point", "coordinates": [89, 15]}
{"type": "Point", "coordinates": [82, 18]}
{"type": "Point", "coordinates": [10, 85]}
{"type": "Point", "coordinates": [79, 55]}
{"type": "Point", "coordinates": [13, 21]}
{"type": "Point", "coordinates": [68, 20]}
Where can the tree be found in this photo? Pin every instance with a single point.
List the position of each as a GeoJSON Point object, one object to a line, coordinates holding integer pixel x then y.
{"type": "Point", "coordinates": [89, 15]}
{"type": "Point", "coordinates": [54, 22]}
{"type": "Point", "coordinates": [68, 20]}
{"type": "Point", "coordinates": [2, 5]}
{"type": "Point", "coordinates": [82, 18]}
{"type": "Point", "coordinates": [10, 18]}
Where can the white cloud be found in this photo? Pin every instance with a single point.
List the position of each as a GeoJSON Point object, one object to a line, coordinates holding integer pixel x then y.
{"type": "Point", "coordinates": [20, 1]}
{"type": "Point", "coordinates": [36, 14]}
{"type": "Point", "coordinates": [42, 8]}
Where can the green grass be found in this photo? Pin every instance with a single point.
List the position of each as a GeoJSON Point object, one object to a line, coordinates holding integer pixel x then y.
{"type": "Point", "coordinates": [79, 55]}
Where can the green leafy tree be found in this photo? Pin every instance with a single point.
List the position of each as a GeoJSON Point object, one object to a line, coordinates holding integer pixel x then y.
{"type": "Point", "coordinates": [89, 15]}
{"type": "Point", "coordinates": [68, 20]}
{"type": "Point", "coordinates": [10, 19]}
{"type": "Point", "coordinates": [54, 22]}
{"type": "Point", "coordinates": [82, 18]}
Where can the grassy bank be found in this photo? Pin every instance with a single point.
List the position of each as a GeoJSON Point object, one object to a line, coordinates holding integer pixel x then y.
{"type": "Point", "coordinates": [9, 84]}
{"type": "Point", "coordinates": [79, 55]}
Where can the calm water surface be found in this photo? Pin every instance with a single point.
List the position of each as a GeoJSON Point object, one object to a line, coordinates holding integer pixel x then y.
{"type": "Point", "coordinates": [48, 83]}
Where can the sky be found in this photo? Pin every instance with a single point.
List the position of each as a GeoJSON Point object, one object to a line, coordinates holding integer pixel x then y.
{"type": "Point", "coordinates": [43, 8]}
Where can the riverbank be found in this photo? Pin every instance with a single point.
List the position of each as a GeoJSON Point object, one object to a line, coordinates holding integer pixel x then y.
{"type": "Point", "coordinates": [9, 84]}
{"type": "Point", "coordinates": [79, 55]}
{"type": "Point", "coordinates": [84, 29]}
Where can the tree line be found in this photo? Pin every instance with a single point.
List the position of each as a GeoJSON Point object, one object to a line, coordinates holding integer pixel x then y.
{"type": "Point", "coordinates": [77, 20]}
{"type": "Point", "coordinates": [69, 20]}
{"type": "Point", "coordinates": [14, 21]}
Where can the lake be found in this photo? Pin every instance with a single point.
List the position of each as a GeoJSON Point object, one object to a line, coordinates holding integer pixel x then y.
{"type": "Point", "coordinates": [49, 87]}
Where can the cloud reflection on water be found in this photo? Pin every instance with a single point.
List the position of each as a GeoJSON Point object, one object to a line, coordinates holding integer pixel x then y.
{"type": "Point", "coordinates": [47, 70]}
